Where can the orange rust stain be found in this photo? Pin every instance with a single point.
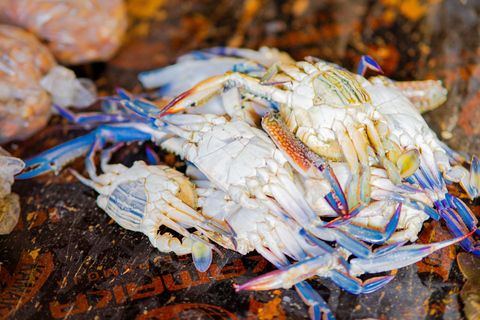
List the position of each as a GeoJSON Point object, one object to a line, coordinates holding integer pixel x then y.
{"type": "Point", "coordinates": [464, 74]}
{"type": "Point", "coordinates": [469, 115]}
{"type": "Point", "coordinates": [270, 310]}
{"type": "Point", "coordinates": [390, 3]}
{"type": "Point", "coordinates": [36, 218]}
{"type": "Point", "coordinates": [300, 6]}
{"type": "Point", "coordinates": [389, 16]}
{"type": "Point", "coordinates": [412, 9]}
{"type": "Point", "coordinates": [387, 56]}
{"type": "Point", "coordinates": [440, 261]}
{"type": "Point", "coordinates": [143, 8]}
{"type": "Point", "coordinates": [475, 210]}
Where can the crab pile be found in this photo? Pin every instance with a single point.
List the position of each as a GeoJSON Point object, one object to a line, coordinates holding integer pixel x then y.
{"type": "Point", "coordinates": [321, 171]}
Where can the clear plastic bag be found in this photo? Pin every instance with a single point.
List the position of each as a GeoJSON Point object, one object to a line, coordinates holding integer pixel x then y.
{"type": "Point", "coordinates": [9, 202]}
{"type": "Point", "coordinates": [24, 104]}
{"type": "Point", "coordinates": [30, 80]}
{"type": "Point", "coordinates": [76, 31]}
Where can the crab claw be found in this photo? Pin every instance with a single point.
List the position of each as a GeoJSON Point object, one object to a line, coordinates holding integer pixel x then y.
{"type": "Point", "coordinates": [318, 306]}
{"type": "Point", "coordinates": [356, 286]}
{"type": "Point", "coordinates": [367, 62]}
{"type": "Point", "coordinates": [305, 161]}
{"type": "Point", "coordinates": [139, 106]}
{"type": "Point", "coordinates": [374, 236]}
{"type": "Point", "coordinates": [400, 258]}
{"type": "Point", "coordinates": [290, 275]}
{"type": "Point", "coordinates": [475, 174]}
{"type": "Point", "coordinates": [319, 265]}
{"type": "Point", "coordinates": [469, 180]}
{"type": "Point", "coordinates": [196, 95]}
{"type": "Point", "coordinates": [56, 158]}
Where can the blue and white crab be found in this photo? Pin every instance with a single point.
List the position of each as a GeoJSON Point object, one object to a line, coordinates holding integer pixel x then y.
{"type": "Point", "coordinates": [273, 185]}
{"type": "Point", "coordinates": [340, 115]}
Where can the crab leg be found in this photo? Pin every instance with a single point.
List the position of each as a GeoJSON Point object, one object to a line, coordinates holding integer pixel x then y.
{"type": "Point", "coordinates": [284, 191]}
{"type": "Point", "coordinates": [324, 266]}
{"type": "Point", "coordinates": [373, 236]}
{"type": "Point", "coordinates": [317, 305]}
{"type": "Point", "coordinates": [469, 180]}
{"type": "Point", "coordinates": [304, 160]}
{"type": "Point", "coordinates": [425, 95]}
{"type": "Point", "coordinates": [126, 202]}
{"type": "Point", "coordinates": [349, 136]}
{"type": "Point", "coordinates": [402, 257]}
{"type": "Point", "coordinates": [356, 286]}
{"type": "Point", "coordinates": [57, 157]}
{"type": "Point", "coordinates": [367, 62]}
{"type": "Point", "coordinates": [461, 219]}
{"type": "Point", "coordinates": [95, 117]}
{"type": "Point", "coordinates": [209, 132]}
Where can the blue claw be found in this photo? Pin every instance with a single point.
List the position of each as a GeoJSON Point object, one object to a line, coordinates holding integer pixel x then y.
{"type": "Point", "coordinates": [367, 62]}
{"type": "Point", "coordinates": [456, 229]}
{"type": "Point", "coordinates": [392, 225]}
{"type": "Point", "coordinates": [374, 236]}
{"type": "Point", "coordinates": [386, 250]}
{"type": "Point", "coordinates": [364, 234]}
{"type": "Point", "coordinates": [401, 257]}
{"type": "Point", "coordinates": [427, 209]}
{"type": "Point", "coordinates": [152, 157]}
{"type": "Point", "coordinates": [139, 106]}
{"type": "Point", "coordinates": [95, 117]}
{"type": "Point", "coordinates": [335, 199]}
{"type": "Point", "coordinates": [355, 286]}
{"type": "Point", "coordinates": [351, 244]}
{"type": "Point", "coordinates": [289, 275]}
{"type": "Point", "coordinates": [57, 157]}
{"type": "Point", "coordinates": [467, 216]}
{"type": "Point", "coordinates": [318, 306]}
{"type": "Point", "coordinates": [475, 176]}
